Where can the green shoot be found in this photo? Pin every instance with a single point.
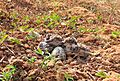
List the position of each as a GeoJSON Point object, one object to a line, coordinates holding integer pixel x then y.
{"type": "Point", "coordinates": [26, 18]}
{"type": "Point", "coordinates": [39, 51]}
{"type": "Point", "coordinates": [54, 17]}
{"type": "Point", "coordinates": [72, 22]}
{"type": "Point", "coordinates": [7, 75]}
{"type": "Point", "coordinates": [31, 60]}
{"type": "Point", "coordinates": [23, 28]}
{"type": "Point", "coordinates": [115, 34]}
{"type": "Point", "coordinates": [99, 18]}
{"type": "Point", "coordinates": [3, 36]}
{"type": "Point", "coordinates": [38, 20]}
{"type": "Point", "coordinates": [101, 74]}
{"type": "Point", "coordinates": [68, 77]}
{"type": "Point", "coordinates": [51, 20]}
{"type": "Point", "coordinates": [32, 34]}
{"type": "Point", "coordinates": [82, 29]}
{"type": "Point", "coordinates": [14, 40]}
{"type": "Point", "coordinates": [46, 60]}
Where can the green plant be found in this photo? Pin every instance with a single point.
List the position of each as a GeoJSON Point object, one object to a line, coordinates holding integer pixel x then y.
{"type": "Point", "coordinates": [38, 20]}
{"type": "Point", "coordinates": [39, 51]}
{"type": "Point", "coordinates": [14, 15]}
{"type": "Point", "coordinates": [115, 34]}
{"type": "Point", "coordinates": [23, 28]}
{"type": "Point", "coordinates": [90, 21]}
{"type": "Point", "coordinates": [54, 17]}
{"type": "Point", "coordinates": [51, 20]}
{"type": "Point", "coordinates": [46, 60]}
{"type": "Point", "coordinates": [31, 60]}
{"type": "Point", "coordinates": [82, 29]}
{"type": "Point", "coordinates": [32, 35]}
{"type": "Point", "coordinates": [93, 30]}
{"type": "Point", "coordinates": [72, 22]}
{"type": "Point", "coordinates": [99, 17]}
{"type": "Point", "coordinates": [7, 75]}
{"type": "Point", "coordinates": [26, 18]}
{"type": "Point", "coordinates": [101, 74]}
{"type": "Point", "coordinates": [14, 40]}
{"type": "Point", "coordinates": [3, 36]}
{"type": "Point", "coordinates": [68, 77]}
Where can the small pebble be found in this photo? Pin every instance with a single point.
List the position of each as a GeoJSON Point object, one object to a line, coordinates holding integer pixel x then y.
{"type": "Point", "coordinates": [3, 48]}
{"type": "Point", "coordinates": [26, 46]}
{"type": "Point", "coordinates": [60, 63]}
{"type": "Point", "coordinates": [73, 63]}
{"type": "Point", "coordinates": [28, 51]}
{"type": "Point", "coordinates": [51, 63]}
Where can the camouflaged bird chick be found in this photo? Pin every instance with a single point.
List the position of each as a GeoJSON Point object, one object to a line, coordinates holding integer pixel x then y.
{"type": "Point", "coordinates": [62, 47]}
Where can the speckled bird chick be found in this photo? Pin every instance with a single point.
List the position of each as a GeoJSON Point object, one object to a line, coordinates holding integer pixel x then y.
{"type": "Point", "coordinates": [71, 45]}
{"type": "Point", "coordinates": [59, 53]}
{"type": "Point", "coordinates": [61, 47]}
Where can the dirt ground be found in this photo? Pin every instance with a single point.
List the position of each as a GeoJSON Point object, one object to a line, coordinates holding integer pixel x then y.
{"type": "Point", "coordinates": [95, 23]}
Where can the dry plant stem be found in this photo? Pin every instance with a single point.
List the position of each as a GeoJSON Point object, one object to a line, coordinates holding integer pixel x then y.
{"type": "Point", "coordinates": [2, 59]}
{"type": "Point", "coordinates": [9, 49]}
{"type": "Point", "coordinates": [91, 76]}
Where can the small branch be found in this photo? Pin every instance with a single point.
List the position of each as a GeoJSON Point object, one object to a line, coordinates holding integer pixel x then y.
{"type": "Point", "coordinates": [91, 76]}
{"type": "Point", "coordinates": [2, 59]}
{"type": "Point", "coordinates": [9, 49]}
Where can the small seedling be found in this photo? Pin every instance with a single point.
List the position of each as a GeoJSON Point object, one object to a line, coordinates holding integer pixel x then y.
{"type": "Point", "coordinates": [23, 28]}
{"type": "Point", "coordinates": [46, 60]}
{"type": "Point", "coordinates": [90, 21]}
{"type": "Point", "coordinates": [93, 30]}
{"type": "Point", "coordinates": [39, 51]}
{"type": "Point", "coordinates": [14, 40]}
{"type": "Point", "coordinates": [7, 75]}
{"type": "Point", "coordinates": [101, 74]}
{"type": "Point", "coordinates": [32, 35]}
{"type": "Point", "coordinates": [54, 17]}
{"type": "Point", "coordinates": [38, 20]}
{"type": "Point", "coordinates": [99, 18]}
{"type": "Point", "coordinates": [116, 34]}
{"type": "Point", "coordinates": [26, 18]}
{"type": "Point", "coordinates": [3, 36]}
{"type": "Point", "coordinates": [51, 20]}
{"type": "Point", "coordinates": [82, 29]}
{"type": "Point", "coordinates": [31, 60]}
{"type": "Point", "coordinates": [72, 22]}
{"type": "Point", "coordinates": [68, 77]}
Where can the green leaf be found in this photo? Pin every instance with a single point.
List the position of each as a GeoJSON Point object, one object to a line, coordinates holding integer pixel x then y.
{"type": "Point", "coordinates": [14, 40]}
{"type": "Point", "coordinates": [39, 51]}
{"type": "Point", "coordinates": [2, 79]}
{"type": "Point", "coordinates": [82, 29]}
{"type": "Point", "coordinates": [68, 77]}
{"type": "Point", "coordinates": [23, 28]}
{"type": "Point", "coordinates": [115, 34]}
{"type": "Point", "coordinates": [10, 67]}
{"type": "Point", "coordinates": [30, 30]}
{"type": "Point", "coordinates": [32, 35]}
{"type": "Point", "coordinates": [26, 18]}
{"type": "Point", "coordinates": [38, 21]}
{"type": "Point", "coordinates": [2, 38]}
{"type": "Point", "coordinates": [101, 74]}
{"type": "Point", "coordinates": [31, 60]}
{"type": "Point", "coordinates": [54, 17]}
{"type": "Point", "coordinates": [6, 76]}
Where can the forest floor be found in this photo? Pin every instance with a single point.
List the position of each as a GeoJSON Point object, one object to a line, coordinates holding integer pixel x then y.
{"type": "Point", "coordinates": [24, 24]}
